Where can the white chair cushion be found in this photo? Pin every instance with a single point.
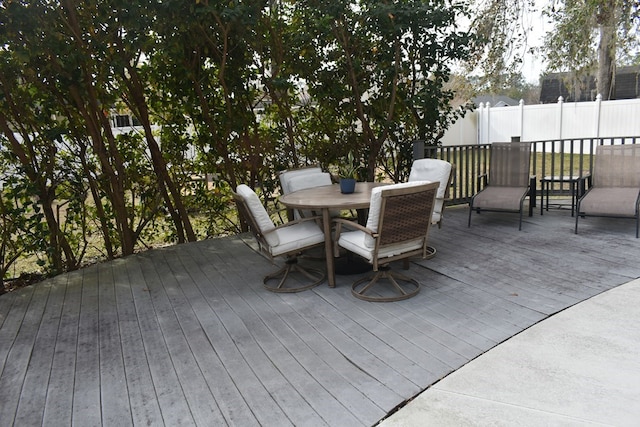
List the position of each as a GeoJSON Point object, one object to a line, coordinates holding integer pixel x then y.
{"type": "Point", "coordinates": [259, 213]}
{"type": "Point", "coordinates": [296, 237]}
{"type": "Point", "coordinates": [356, 242]}
{"type": "Point", "coordinates": [432, 170]}
{"type": "Point", "coordinates": [310, 180]}
{"type": "Point", "coordinates": [375, 205]}
{"type": "Point", "coordinates": [286, 176]}
{"type": "Point", "coordinates": [303, 181]}
{"type": "Point", "coordinates": [437, 216]}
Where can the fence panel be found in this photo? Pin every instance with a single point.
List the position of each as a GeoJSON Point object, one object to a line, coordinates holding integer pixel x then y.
{"type": "Point", "coordinates": [540, 122]}
{"type": "Point", "coordinates": [620, 117]}
{"type": "Point", "coordinates": [463, 132]}
{"type": "Point", "coordinates": [549, 121]}
{"type": "Point", "coordinates": [504, 122]}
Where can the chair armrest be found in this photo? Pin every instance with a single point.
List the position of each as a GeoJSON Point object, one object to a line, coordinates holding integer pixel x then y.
{"type": "Point", "coordinates": [483, 180]}
{"type": "Point", "coordinates": [450, 182]}
{"type": "Point", "coordinates": [339, 222]}
{"type": "Point", "coordinates": [583, 179]}
{"type": "Point", "coordinates": [298, 221]}
{"type": "Point", "coordinates": [350, 224]}
{"type": "Point", "coordinates": [584, 182]}
{"type": "Point", "coordinates": [280, 208]}
{"type": "Point", "coordinates": [261, 236]}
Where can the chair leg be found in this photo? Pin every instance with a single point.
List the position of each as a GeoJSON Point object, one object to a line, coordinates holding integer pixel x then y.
{"type": "Point", "coordinates": [520, 223]}
{"type": "Point", "coordinates": [291, 265]}
{"type": "Point", "coordinates": [521, 209]}
{"type": "Point", "coordinates": [399, 291]}
{"type": "Point", "coordinates": [577, 216]}
{"type": "Point", "coordinates": [637, 216]}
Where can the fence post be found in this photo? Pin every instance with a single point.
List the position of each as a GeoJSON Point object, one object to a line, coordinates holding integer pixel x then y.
{"type": "Point", "coordinates": [479, 121]}
{"type": "Point", "coordinates": [598, 111]}
{"type": "Point", "coordinates": [418, 149]}
{"type": "Point", "coordinates": [560, 102]}
{"type": "Point", "coordinates": [488, 107]}
{"type": "Point", "coordinates": [521, 104]}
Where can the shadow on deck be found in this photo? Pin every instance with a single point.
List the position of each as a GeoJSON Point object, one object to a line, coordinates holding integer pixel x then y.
{"type": "Point", "coordinates": [187, 335]}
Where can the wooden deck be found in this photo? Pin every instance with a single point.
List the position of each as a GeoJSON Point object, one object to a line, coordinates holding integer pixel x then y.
{"type": "Point", "coordinates": [187, 335]}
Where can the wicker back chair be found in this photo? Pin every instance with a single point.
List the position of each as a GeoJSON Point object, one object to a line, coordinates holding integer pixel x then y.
{"type": "Point", "coordinates": [509, 183]}
{"type": "Point", "coordinates": [287, 240]}
{"type": "Point", "coordinates": [615, 189]}
{"type": "Point", "coordinates": [397, 228]}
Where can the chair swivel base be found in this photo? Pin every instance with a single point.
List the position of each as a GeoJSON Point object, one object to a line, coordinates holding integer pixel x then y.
{"type": "Point", "coordinates": [291, 266]}
{"type": "Point", "coordinates": [431, 252]}
{"type": "Point", "coordinates": [360, 288]}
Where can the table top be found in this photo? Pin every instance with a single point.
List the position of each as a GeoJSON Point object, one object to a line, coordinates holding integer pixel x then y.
{"type": "Point", "coordinates": [329, 196]}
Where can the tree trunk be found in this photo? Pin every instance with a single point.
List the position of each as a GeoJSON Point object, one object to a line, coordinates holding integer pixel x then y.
{"type": "Point", "coordinates": [102, 215]}
{"type": "Point", "coordinates": [606, 51]}
{"type": "Point", "coordinates": [46, 197]}
{"type": "Point", "coordinates": [90, 107]}
{"type": "Point", "coordinates": [170, 192]}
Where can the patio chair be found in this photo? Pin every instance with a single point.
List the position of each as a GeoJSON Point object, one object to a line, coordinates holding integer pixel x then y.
{"type": "Point", "coordinates": [509, 183]}
{"type": "Point", "coordinates": [397, 228]}
{"type": "Point", "coordinates": [615, 185]}
{"type": "Point", "coordinates": [287, 175]}
{"type": "Point", "coordinates": [308, 180]}
{"type": "Point", "coordinates": [287, 240]}
{"type": "Point", "coordinates": [434, 170]}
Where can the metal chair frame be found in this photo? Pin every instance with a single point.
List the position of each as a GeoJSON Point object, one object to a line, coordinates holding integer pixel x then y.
{"type": "Point", "coordinates": [405, 217]}
{"type": "Point", "coordinates": [616, 169]}
{"type": "Point", "coordinates": [509, 172]}
{"type": "Point", "coordinates": [316, 276]}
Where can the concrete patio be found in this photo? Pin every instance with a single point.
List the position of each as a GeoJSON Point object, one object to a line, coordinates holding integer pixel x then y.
{"type": "Point", "coordinates": [578, 367]}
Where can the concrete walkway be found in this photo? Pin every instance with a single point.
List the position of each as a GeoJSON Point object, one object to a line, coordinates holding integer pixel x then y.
{"type": "Point", "coordinates": [578, 367]}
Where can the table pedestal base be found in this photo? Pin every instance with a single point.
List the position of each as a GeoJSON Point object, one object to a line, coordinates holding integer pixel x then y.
{"type": "Point", "coordinates": [349, 264]}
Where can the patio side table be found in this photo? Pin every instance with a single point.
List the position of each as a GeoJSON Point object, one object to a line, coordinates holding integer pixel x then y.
{"type": "Point", "coordinates": [548, 181]}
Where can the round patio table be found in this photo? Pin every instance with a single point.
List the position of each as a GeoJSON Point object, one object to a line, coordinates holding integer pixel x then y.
{"type": "Point", "coordinates": [326, 198]}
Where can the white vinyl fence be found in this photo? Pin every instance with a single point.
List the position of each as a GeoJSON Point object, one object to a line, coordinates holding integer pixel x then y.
{"type": "Point", "coordinates": [546, 122]}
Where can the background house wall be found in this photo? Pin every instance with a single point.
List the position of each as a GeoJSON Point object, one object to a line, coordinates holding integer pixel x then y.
{"type": "Point", "coordinates": [626, 85]}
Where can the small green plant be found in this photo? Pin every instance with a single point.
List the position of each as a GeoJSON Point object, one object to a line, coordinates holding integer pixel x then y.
{"type": "Point", "coordinates": [348, 168]}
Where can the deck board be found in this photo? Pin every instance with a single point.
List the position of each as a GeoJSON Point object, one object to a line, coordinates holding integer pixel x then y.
{"type": "Point", "coordinates": [28, 313]}
{"type": "Point", "coordinates": [144, 408]}
{"type": "Point", "coordinates": [187, 335]}
{"type": "Point", "coordinates": [59, 403]}
{"type": "Point", "coordinates": [114, 393]}
{"type": "Point", "coordinates": [185, 340]}
{"type": "Point", "coordinates": [167, 389]}
{"type": "Point", "coordinates": [86, 386]}
{"type": "Point", "coordinates": [33, 394]}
